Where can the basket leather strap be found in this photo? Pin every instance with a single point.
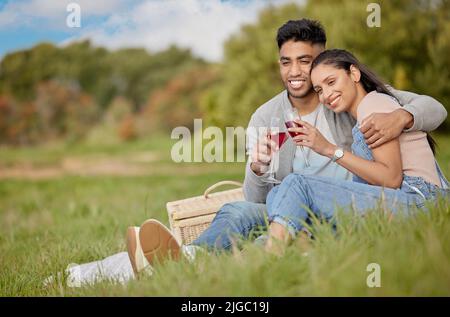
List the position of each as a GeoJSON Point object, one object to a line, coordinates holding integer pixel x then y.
{"type": "Point", "coordinates": [211, 188]}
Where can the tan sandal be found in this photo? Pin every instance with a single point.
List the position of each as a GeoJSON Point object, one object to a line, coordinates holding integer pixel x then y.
{"type": "Point", "coordinates": [157, 242]}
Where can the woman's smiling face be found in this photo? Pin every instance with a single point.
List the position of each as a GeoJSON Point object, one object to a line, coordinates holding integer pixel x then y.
{"type": "Point", "coordinates": [336, 88]}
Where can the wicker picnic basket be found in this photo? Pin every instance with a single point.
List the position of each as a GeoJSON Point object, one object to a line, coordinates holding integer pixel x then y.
{"type": "Point", "coordinates": [189, 217]}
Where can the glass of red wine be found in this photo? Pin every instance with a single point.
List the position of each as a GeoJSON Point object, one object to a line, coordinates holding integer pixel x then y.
{"type": "Point", "coordinates": [279, 138]}
{"type": "Point", "coordinates": [290, 117]}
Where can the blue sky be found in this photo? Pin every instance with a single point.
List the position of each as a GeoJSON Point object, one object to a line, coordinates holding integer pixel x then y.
{"type": "Point", "coordinates": [202, 25]}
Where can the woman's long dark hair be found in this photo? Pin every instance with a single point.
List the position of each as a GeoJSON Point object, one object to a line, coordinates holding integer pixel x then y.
{"type": "Point", "coordinates": [342, 59]}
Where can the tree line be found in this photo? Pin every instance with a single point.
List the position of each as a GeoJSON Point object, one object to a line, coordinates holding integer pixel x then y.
{"type": "Point", "coordinates": [49, 92]}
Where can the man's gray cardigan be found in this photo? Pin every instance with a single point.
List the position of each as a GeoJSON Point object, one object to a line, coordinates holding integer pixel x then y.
{"type": "Point", "coordinates": [428, 114]}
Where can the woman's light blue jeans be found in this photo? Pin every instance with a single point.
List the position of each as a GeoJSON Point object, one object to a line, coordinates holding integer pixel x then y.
{"type": "Point", "coordinates": [289, 203]}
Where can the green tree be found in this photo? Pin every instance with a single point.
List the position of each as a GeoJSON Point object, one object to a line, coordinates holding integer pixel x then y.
{"type": "Point", "coordinates": [178, 103]}
{"type": "Point", "coordinates": [250, 73]}
{"type": "Point", "coordinates": [409, 51]}
{"type": "Point", "coordinates": [39, 78]}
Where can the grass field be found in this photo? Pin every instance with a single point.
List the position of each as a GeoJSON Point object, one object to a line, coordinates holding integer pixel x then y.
{"type": "Point", "coordinates": [59, 204]}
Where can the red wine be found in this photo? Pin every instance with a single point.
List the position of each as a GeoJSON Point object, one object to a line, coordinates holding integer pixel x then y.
{"type": "Point", "coordinates": [279, 138]}
{"type": "Point", "coordinates": [293, 124]}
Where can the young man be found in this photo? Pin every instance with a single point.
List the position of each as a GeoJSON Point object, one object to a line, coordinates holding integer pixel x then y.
{"type": "Point", "coordinates": [299, 42]}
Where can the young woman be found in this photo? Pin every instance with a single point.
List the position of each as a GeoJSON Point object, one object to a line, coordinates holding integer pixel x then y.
{"type": "Point", "coordinates": [403, 172]}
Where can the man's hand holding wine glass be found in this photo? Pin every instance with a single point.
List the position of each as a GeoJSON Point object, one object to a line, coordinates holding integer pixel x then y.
{"type": "Point", "coordinates": [261, 154]}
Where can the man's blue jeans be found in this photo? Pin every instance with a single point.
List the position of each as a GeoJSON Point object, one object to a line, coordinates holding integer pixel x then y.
{"type": "Point", "coordinates": [234, 221]}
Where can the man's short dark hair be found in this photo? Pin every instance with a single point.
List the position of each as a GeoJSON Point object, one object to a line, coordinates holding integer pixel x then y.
{"type": "Point", "coordinates": [304, 30]}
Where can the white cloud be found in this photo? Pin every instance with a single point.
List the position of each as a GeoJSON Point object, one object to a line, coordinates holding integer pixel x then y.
{"type": "Point", "coordinates": [202, 26]}
{"type": "Point", "coordinates": [52, 12]}
{"type": "Point", "coordinates": [7, 18]}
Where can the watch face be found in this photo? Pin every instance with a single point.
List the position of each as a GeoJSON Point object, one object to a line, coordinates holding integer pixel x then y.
{"type": "Point", "coordinates": [338, 154]}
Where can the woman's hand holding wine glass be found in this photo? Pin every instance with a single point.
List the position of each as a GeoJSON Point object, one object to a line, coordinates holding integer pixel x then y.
{"type": "Point", "coordinates": [292, 122]}
{"type": "Point", "coordinates": [310, 136]}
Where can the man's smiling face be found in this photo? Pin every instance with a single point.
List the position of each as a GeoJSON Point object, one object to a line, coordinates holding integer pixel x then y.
{"type": "Point", "coordinates": [295, 63]}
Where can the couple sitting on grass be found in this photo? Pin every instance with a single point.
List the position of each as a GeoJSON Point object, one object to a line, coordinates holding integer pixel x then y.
{"type": "Point", "coordinates": [365, 142]}
{"type": "Point", "coordinates": [335, 95]}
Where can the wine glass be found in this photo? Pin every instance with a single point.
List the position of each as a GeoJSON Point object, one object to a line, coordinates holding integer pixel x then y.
{"type": "Point", "coordinates": [290, 115]}
{"type": "Point", "coordinates": [278, 137]}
